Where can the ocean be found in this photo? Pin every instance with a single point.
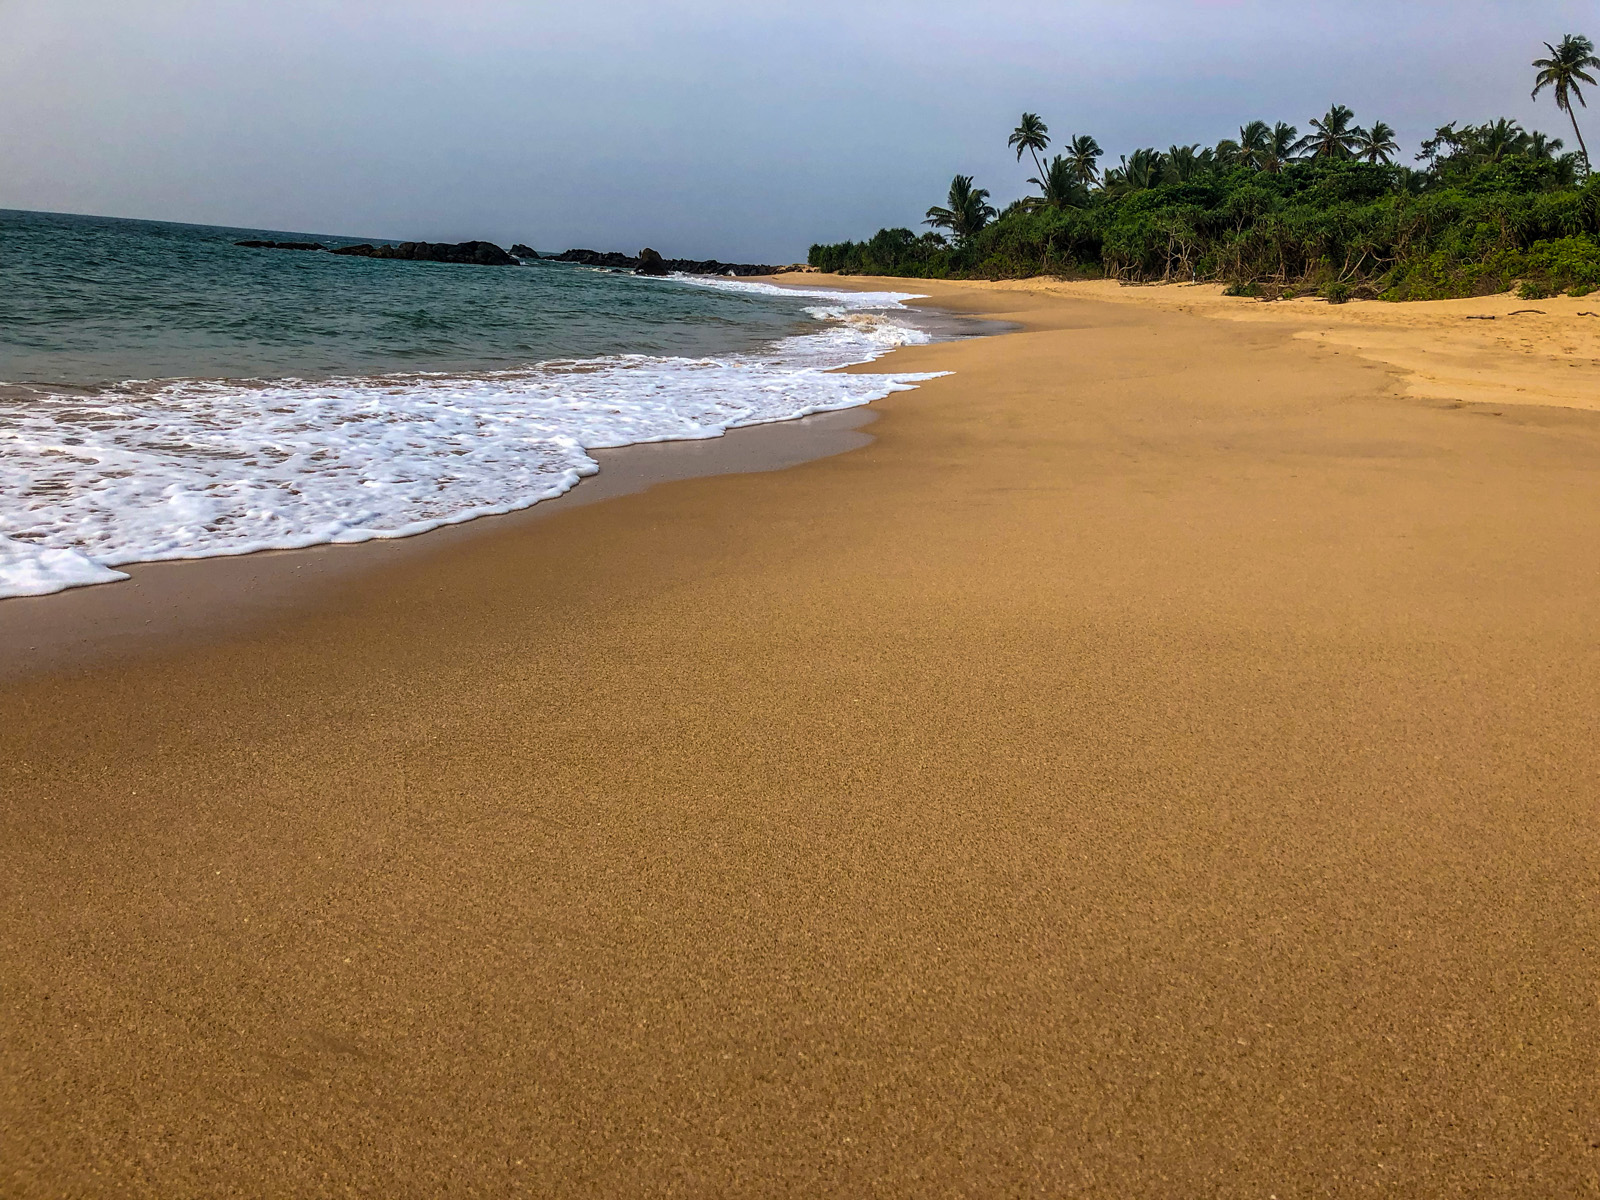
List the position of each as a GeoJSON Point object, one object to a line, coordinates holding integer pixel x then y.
{"type": "Point", "coordinates": [166, 394]}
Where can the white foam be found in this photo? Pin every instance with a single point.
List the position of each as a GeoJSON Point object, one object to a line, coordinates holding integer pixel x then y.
{"type": "Point", "coordinates": [194, 470]}
{"type": "Point", "coordinates": [836, 300]}
{"type": "Point", "coordinates": [27, 570]}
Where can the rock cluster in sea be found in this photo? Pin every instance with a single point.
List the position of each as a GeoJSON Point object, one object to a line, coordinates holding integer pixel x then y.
{"type": "Point", "coordinates": [686, 266]}
{"type": "Point", "coordinates": [487, 254]}
{"type": "Point", "coordinates": [482, 254]}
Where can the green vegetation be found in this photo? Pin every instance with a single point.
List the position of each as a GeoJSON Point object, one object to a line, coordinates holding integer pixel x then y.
{"type": "Point", "coordinates": [968, 212]}
{"type": "Point", "coordinates": [1275, 214]}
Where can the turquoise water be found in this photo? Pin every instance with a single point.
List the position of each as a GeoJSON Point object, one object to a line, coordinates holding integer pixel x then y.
{"type": "Point", "coordinates": [167, 394]}
{"type": "Point", "coordinates": [93, 300]}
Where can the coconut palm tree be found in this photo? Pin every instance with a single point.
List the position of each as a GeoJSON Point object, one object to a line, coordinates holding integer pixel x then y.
{"type": "Point", "coordinates": [1569, 65]}
{"type": "Point", "coordinates": [1083, 152]}
{"type": "Point", "coordinates": [1060, 185]}
{"type": "Point", "coordinates": [1331, 136]}
{"type": "Point", "coordinates": [1566, 170]}
{"type": "Point", "coordinates": [1375, 145]}
{"type": "Point", "coordinates": [1185, 163]}
{"type": "Point", "coordinates": [1497, 142]}
{"type": "Point", "coordinates": [968, 212]}
{"type": "Point", "coordinates": [1278, 150]}
{"type": "Point", "coordinates": [1543, 147]}
{"type": "Point", "coordinates": [1137, 172]}
{"type": "Point", "coordinates": [1032, 136]}
{"type": "Point", "coordinates": [1255, 140]}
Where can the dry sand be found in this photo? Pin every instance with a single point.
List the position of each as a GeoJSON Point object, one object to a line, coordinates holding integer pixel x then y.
{"type": "Point", "coordinates": [1492, 350]}
{"type": "Point", "coordinates": [1164, 763]}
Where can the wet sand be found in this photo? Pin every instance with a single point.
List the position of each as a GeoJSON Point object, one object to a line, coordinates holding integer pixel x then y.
{"type": "Point", "coordinates": [186, 602]}
{"type": "Point", "coordinates": [1163, 762]}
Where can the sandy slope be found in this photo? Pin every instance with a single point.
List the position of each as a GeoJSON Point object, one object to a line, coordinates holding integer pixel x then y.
{"type": "Point", "coordinates": [1542, 352]}
{"type": "Point", "coordinates": [1163, 763]}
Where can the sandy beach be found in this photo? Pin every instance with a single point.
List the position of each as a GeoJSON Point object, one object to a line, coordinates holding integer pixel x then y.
{"type": "Point", "coordinates": [1163, 762]}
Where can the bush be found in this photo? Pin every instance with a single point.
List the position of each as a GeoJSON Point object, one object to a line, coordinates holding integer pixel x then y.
{"type": "Point", "coordinates": [1314, 228]}
{"type": "Point", "coordinates": [1534, 291]}
{"type": "Point", "coordinates": [1565, 262]}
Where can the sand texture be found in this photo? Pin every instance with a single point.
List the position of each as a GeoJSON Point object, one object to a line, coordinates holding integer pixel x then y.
{"type": "Point", "coordinates": [1163, 763]}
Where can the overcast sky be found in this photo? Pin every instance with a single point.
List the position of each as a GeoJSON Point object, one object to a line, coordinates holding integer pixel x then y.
{"type": "Point", "coordinates": [744, 129]}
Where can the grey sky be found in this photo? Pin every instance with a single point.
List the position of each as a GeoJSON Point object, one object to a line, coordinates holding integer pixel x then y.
{"type": "Point", "coordinates": [701, 127]}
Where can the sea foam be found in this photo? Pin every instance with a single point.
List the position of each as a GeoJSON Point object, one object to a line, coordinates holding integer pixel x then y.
{"type": "Point", "coordinates": [142, 473]}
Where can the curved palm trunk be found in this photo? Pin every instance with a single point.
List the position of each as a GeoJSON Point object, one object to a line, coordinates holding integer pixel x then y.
{"type": "Point", "coordinates": [1573, 116]}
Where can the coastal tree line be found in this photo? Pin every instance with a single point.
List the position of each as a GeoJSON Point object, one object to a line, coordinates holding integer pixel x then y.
{"type": "Point", "coordinates": [1277, 210]}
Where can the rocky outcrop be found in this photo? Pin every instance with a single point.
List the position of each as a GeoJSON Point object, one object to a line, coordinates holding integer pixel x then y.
{"type": "Point", "coordinates": [593, 258]}
{"type": "Point", "coordinates": [685, 266]}
{"type": "Point", "coordinates": [689, 266]}
{"type": "Point", "coordinates": [480, 254]}
{"type": "Point", "coordinates": [254, 245]}
{"type": "Point", "coordinates": [487, 254]}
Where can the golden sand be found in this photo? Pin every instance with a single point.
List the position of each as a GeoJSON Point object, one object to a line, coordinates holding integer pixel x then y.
{"type": "Point", "coordinates": [1164, 763]}
{"type": "Point", "coordinates": [1491, 350]}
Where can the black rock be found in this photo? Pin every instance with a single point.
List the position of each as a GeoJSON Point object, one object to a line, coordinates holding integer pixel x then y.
{"type": "Point", "coordinates": [688, 266]}
{"type": "Point", "coordinates": [593, 258]}
{"type": "Point", "coordinates": [650, 263]}
{"type": "Point", "coordinates": [254, 245]}
{"type": "Point", "coordinates": [685, 266]}
{"type": "Point", "coordinates": [522, 251]}
{"type": "Point", "coordinates": [481, 254]}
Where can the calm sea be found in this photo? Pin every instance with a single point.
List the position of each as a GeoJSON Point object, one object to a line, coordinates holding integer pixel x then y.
{"type": "Point", "coordinates": [167, 394]}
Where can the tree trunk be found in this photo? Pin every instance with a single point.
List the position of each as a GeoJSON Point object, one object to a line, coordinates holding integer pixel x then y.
{"type": "Point", "coordinates": [1579, 133]}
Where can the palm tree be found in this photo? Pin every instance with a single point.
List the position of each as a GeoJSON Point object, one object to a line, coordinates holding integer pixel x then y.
{"type": "Point", "coordinates": [1333, 137]}
{"type": "Point", "coordinates": [1568, 66]}
{"type": "Point", "coordinates": [1031, 135]}
{"type": "Point", "coordinates": [1566, 171]}
{"type": "Point", "coordinates": [1494, 143]}
{"type": "Point", "coordinates": [1278, 150]}
{"type": "Point", "coordinates": [1060, 185]}
{"type": "Point", "coordinates": [1376, 145]}
{"type": "Point", "coordinates": [1543, 147]}
{"type": "Point", "coordinates": [968, 212]}
{"type": "Point", "coordinates": [1083, 152]}
{"type": "Point", "coordinates": [1139, 171]}
{"type": "Point", "coordinates": [1255, 141]}
{"type": "Point", "coordinates": [1185, 163]}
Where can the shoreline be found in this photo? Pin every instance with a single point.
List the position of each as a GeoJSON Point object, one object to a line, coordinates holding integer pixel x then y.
{"type": "Point", "coordinates": [163, 606]}
{"type": "Point", "coordinates": [1161, 761]}
{"type": "Point", "coordinates": [283, 463]}
{"type": "Point", "coordinates": [162, 603]}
